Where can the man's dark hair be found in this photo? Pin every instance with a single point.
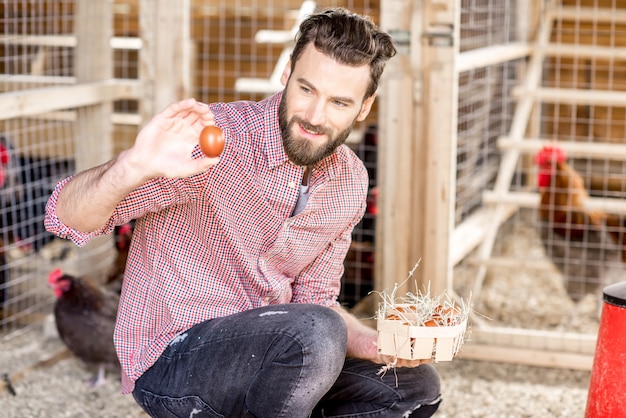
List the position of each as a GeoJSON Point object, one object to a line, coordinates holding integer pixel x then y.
{"type": "Point", "coordinates": [347, 38]}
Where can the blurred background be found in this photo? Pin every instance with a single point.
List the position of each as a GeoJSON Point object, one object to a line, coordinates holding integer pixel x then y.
{"type": "Point", "coordinates": [478, 88]}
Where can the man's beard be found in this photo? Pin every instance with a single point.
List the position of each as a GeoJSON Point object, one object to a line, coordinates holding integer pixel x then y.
{"type": "Point", "coordinates": [300, 150]}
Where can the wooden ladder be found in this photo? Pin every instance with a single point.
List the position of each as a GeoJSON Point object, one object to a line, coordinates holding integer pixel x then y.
{"type": "Point", "coordinates": [506, 202]}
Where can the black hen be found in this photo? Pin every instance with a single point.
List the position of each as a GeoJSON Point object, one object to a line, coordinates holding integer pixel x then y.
{"type": "Point", "coordinates": [85, 318]}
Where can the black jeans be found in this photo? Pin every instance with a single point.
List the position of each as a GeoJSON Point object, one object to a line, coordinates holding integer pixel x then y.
{"type": "Point", "coordinates": [279, 361]}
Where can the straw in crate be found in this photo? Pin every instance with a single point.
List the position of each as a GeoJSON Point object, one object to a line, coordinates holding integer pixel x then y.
{"type": "Point", "coordinates": [421, 327]}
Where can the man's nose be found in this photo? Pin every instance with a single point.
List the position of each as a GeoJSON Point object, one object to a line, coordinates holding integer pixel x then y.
{"type": "Point", "coordinates": [316, 113]}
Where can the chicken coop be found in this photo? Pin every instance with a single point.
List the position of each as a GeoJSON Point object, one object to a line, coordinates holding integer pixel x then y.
{"type": "Point", "coordinates": [478, 88]}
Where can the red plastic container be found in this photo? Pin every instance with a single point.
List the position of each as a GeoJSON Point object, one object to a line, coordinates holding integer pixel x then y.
{"type": "Point", "coordinates": [607, 387]}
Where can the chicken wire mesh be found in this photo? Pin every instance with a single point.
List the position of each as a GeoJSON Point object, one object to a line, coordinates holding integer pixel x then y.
{"type": "Point", "coordinates": [38, 50]}
{"type": "Point", "coordinates": [552, 255]}
{"type": "Point", "coordinates": [34, 154]}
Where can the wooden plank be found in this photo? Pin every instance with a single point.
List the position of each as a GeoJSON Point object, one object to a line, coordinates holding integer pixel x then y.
{"type": "Point", "coordinates": [492, 55]}
{"type": "Point", "coordinates": [558, 95]}
{"type": "Point", "coordinates": [537, 358]}
{"type": "Point", "coordinates": [187, 52]}
{"type": "Point", "coordinates": [471, 232]}
{"type": "Point", "coordinates": [531, 200]}
{"type": "Point", "coordinates": [286, 36]}
{"type": "Point", "coordinates": [438, 175]}
{"type": "Point", "coordinates": [94, 64]}
{"type": "Point", "coordinates": [126, 43]}
{"type": "Point", "coordinates": [607, 151]}
{"type": "Point", "coordinates": [29, 81]}
{"type": "Point", "coordinates": [266, 86]}
{"type": "Point", "coordinates": [512, 263]}
{"type": "Point", "coordinates": [50, 99]}
{"type": "Point", "coordinates": [535, 339]}
{"type": "Point", "coordinates": [397, 158]}
{"type": "Point", "coordinates": [589, 14]}
{"type": "Point", "coordinates": [67, 41]}
{"type": "Point", "coordinates": [161, 24]}
{"type": "Point", "coordinates": [72, 116]}
{"type": "Point", "coordinates": [585, 51]}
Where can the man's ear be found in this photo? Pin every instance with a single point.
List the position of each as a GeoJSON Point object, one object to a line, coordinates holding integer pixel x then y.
{"type": "Point", "coordinates": [365, 109]}
{"type": "Point", "coordinates": [286, 73]}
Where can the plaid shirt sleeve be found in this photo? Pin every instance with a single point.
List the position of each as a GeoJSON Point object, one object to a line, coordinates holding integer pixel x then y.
{"type": "Point", "coordinates": [54, 225]}
{"type": "Point", "coordinates": [152, 196]}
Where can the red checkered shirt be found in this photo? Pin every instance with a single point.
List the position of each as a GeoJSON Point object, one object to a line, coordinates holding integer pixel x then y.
{"type": "Point", "coordinates": [224, 241]}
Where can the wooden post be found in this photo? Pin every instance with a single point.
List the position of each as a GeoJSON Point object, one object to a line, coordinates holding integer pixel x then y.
{"type": "Point", "coordinates": [94, 62]}
{"type": "Point", "coordinates": [94, 133]}
{"type": "Point", "coordinates": [438, 145]}
{"type": "Point", "coordinates": [161, 26]}
{"type": "Point", "coordinates": [394, 225]}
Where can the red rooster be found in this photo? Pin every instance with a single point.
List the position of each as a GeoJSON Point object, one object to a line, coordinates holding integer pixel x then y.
{"type": "Point", "coordinates": [577, 240]}
{"type": "Point", "coordinates": [85, 319]}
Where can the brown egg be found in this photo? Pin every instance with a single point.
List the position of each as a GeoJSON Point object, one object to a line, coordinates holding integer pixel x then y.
{"type": "Point", "coordinates": [212, 141]}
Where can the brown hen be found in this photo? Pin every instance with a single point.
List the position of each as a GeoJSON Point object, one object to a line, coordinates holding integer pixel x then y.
{"type": "Point", "coordinates": [577, 240]}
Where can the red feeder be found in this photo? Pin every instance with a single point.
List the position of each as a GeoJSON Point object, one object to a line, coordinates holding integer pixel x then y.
{"type": "Point", "coordinates": [607, 395]}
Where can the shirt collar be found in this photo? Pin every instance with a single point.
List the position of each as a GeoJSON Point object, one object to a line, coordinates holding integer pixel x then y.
{"type": "Point", "coordinates": [273, 145]}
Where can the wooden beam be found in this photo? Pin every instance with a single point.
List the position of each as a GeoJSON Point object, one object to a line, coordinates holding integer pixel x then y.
{"type": "Point", "coordinates": [531, 200]}
{"type": "Point", "coordinates": [492, 55]}
{"type": "Point", "coordinates": [72, 116]}
{"type": "Point", "coordinates": [30, 80]}
{"type": "Point", "coordinates": [542, 348]}
{"type": "Point", "coordinates": [528, 357]}
{"type": "Point", "coordinates": [558, 95]}
{"type": "Point", "coordinates": [525, 264]}
{"type": "Point", "coordinates": [471, 232]}
{"type": "Point", "coordinates": [534, 339]}
{"type": "Point", "coordinates": [396, 154]}
{"type": "Point", "coordinates": [161, 31]}
{"type": "Point", "coordinates": [68, 41]}
{"type": "Point", "coordinates": [585, 51]}
{"type": "Point", "coordinates": [439, 146]}
{"type": "Point", "coordinates": [50, 99]}
{"type": "Point", "coordinates": [608, 151]}
{"type": "Point", "coordinates": [589, 14]}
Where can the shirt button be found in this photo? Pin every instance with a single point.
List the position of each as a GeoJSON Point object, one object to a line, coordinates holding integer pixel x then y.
{"type": "Point", "coordinates": [292, 184]}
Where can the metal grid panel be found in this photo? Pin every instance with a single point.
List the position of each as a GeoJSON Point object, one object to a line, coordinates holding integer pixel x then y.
{"type": "Point", "coordinates": [485, 101]}
{"type": "Point", "coordinates": [35, 153]}
{"type": "Point", "coordinates": [547, 274]}
{"type": "Point", "coordinates": [485, 112]}
{"type": "Point", "coordinates": [487, 22]}
{"type": "Point", "coordinates": [39, 151]}
{"type": "Point", "coordinates": [38, 51]}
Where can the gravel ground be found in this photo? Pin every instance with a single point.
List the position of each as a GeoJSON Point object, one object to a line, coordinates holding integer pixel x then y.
{"type": "Point", "coordinates": [471, 389]}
